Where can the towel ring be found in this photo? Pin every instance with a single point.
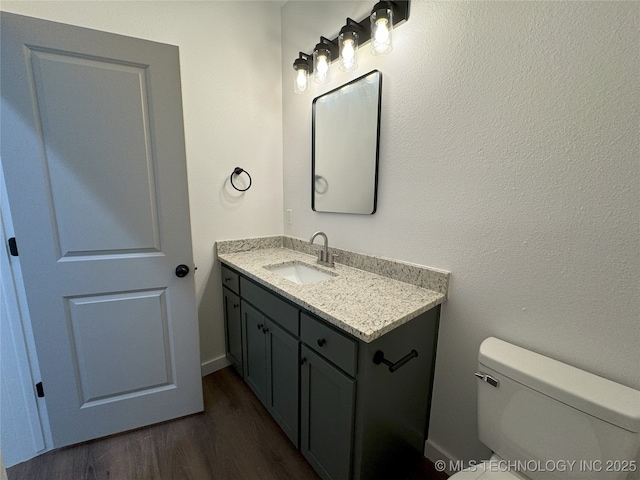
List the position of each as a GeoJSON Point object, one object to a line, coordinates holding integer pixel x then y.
{"type": "Point", "coordinates": [321, 185]}
{"type": "Point", "coordinates": [238, 171]}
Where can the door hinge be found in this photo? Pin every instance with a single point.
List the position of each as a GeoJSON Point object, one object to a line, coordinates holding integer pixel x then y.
{"type": "Point", "coordinates": [13, 247]}
{"type": "Point", "coordinates": [39, 389]}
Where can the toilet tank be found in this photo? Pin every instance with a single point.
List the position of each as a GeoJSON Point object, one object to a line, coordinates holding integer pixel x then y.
{"type": "Point", "coordinates": [549, 420]}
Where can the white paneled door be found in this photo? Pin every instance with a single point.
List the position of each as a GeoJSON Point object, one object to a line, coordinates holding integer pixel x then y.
{"type": "Point", "coordinates": [92, 148]}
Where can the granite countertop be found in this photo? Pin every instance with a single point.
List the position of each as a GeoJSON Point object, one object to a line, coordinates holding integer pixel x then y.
{"type": "Point", "coordinates": [365, 304]}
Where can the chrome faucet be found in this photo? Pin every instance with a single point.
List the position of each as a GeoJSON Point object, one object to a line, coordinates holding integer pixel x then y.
{"type": "Point", "coordinates": [325, 257]}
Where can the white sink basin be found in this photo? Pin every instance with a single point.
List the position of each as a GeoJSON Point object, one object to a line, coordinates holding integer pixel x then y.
{"type": "Point", "coordinates": [300, 273]}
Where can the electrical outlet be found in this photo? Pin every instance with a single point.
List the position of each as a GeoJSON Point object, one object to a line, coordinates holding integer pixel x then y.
{"type": "Point", "coordinates": [289, 216]}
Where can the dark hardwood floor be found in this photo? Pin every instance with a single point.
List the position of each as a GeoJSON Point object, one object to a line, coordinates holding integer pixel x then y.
{"type": "Point", "coordinates": [233, 439]}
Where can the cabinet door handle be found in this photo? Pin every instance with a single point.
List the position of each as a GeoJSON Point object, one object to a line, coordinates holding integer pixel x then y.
{"type": "Point", "coordinates": [303, 360]}
{"type": "Point", "coordinates": [265, 330]}
{"type": "Point", "coordinates": [321, 342]}
{"type": "Point", "coordinates": [227, 279]}
{"type": "Point", "coordinates": [235, 305]}
{"type": "Point", "coordinates": [259, 326]}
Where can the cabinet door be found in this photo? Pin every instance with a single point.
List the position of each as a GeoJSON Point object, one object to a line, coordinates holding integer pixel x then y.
{"type": "Point", "coordinates": [233, 328]}
{"type": "Point", "coordinates": [327, 404]}
{"type": "Point", "coordinates": [255, 365]}
{"type": "Point", "coordinates": [283, 379]}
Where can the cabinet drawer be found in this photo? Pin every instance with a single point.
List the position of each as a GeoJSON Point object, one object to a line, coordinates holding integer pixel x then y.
{"type": "Point", "coordinates": [230, 279]}
{"type": "Point", "coordinates": [334, 346]}
{"type": "Point", "coordinates": [274, 307]}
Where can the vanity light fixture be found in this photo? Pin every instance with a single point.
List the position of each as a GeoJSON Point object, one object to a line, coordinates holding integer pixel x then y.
{"type": "Point", "coordinates": [348, 43]}
{"type": "Point", "coordinates": [377, 28]}
{"type": "Point", "coordinates": [323, 54]}
{"type": "Point", "coordinates": [303, 65]}
{"type": "Point", "coordinates": [381, 27]}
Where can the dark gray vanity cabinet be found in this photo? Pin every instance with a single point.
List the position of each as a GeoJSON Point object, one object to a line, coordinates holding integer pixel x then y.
{"type": "Point", "coordinates": [232, 320]}
{"type": "Point", "coordinates": [328, 393]}
{"type": "Point", "coordinates": [271, 355]}
{"type": "Point", "coordinates": [283, 380]}
{"type": "Point", "coordinates": [327, 403]}
{"type": "Point", "coordinates": [356, 410]}
{"type": "Point", "coordinates": [254, 326]}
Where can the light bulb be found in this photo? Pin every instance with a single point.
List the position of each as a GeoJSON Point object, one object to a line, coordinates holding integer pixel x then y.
{"type": "Point", "coordinates": [381, 26]}
{"type": "Point", "coordinates": [322, 60]}
{"type": "Point", "coordinates": [382, 32]}
{"type": "Point", "coordinates": [348, 43]}
{"type": "Point", "coordinates": [301, 66]}
{"type": "Point", "coordinates": [301, 79]}
{"type": "Point", "coordinates": [348, 53]}
{"type": "Point", "coordinates": [322, 68]}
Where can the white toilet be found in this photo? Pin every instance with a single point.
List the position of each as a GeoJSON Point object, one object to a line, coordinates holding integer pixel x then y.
{"type": "Point", "coordinates": [544, 419]}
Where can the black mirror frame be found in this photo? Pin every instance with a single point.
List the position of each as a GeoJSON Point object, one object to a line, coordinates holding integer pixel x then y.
{"type": "Point", "coordinates": [313, 144]}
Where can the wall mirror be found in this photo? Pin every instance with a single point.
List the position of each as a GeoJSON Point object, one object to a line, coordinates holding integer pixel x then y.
{"type": "Point", "coordinates": [345, 144]}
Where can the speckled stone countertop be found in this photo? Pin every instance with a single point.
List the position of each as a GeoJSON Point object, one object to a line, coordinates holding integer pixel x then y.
{"type": "Point", "coordinates": [365, 304]}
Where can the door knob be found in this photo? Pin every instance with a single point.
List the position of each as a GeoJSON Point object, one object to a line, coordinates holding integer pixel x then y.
{"type": "Point", "coordinates": [182, 271]}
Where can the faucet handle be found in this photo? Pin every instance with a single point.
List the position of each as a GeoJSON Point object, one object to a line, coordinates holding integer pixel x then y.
{"type": "Point", "coordinates": [332, 257]}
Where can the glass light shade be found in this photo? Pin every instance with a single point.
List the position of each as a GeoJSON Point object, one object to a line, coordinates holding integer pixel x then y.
{"type": "Point", "coordinates": [381, 28]}
{"type": "Point", "coordinates": [348, 42]}
{"type": "Point", "coordinates": [322, 64]}
{"type": "Point", "coordinates": [301, 67]}
{"type": "Point", "coordinates": [301, 81]}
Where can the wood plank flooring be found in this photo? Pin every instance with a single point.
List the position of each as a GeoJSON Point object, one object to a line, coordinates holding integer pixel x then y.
{"type": "Point", "coordinates": [233, 439]}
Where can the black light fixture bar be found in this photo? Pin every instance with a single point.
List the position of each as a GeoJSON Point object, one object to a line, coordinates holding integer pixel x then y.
{"type": "Point", "coordinates": [400, 15]}
{"type": "Point", "coordinates": [400, 10]}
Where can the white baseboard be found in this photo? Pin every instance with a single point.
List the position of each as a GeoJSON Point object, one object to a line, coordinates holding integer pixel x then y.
{"type": "Point", "coordinates": [214, 365]}
{"type": "Point", "coordinates": [436, 453]}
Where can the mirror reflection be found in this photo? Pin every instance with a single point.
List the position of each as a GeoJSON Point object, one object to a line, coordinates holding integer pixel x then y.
{"type": "Point", "coordinates": [345, 140]}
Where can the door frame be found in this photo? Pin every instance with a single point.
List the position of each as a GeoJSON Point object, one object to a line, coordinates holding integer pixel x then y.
{"type": "Point", "coordinates": [36, 424]}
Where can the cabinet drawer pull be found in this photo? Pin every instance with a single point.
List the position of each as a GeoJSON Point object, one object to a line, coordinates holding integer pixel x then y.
{"type": "Point", "coordinates": [265, 330]}
{"type": "Point", "coordinates": [321, 342]}
{"type": "Point", "coordinates": [303, 360]}
{"type": "Point", "coordinates": [259, 326]}
{"type": "Point", "coordinates": [227, 279]}
{"type": "Point", "coordinates": [235, 305]}
{"type": "Point", "coordinates": [378, 358]}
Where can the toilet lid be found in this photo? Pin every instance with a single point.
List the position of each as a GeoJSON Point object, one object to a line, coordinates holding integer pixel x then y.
{"type": "Point", "coordinates": [480, 473]}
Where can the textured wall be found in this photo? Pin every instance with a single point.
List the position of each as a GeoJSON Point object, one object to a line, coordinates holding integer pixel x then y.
{"type": "Point", "coordinates": [232, 116]}
{"type": "Point", "coordinates": [509, 156]}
